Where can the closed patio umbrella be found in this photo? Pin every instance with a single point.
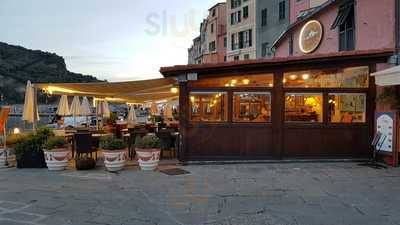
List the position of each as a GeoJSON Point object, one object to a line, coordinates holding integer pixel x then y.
{"type": "Point", "coordinates": [63, 108]}
{"type": "Point", "coordinates": [85, 107]}
{"type": "Point", "coordinates": [154, 109]}
{"type": "Point", "coordinates": [168, 110]}
{"type": "Point", "coordinates": [132, 119]}
{"type": "Point", "coordinates": [30, 114]}
{"type": "Point", "coordinates": [106, 110]}
{"type": "Point", "coordinates": [75, 108]}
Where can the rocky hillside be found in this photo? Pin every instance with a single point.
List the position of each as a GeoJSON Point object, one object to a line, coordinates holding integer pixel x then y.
{"type": "Point", "coordinates": [18, 65]}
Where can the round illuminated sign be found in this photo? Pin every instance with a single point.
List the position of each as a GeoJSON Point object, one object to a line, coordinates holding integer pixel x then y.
{"type": "Point", "coordinates": [310, 36]}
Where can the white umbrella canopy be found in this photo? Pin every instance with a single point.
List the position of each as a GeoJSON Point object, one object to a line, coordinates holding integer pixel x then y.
{"type": "Point", "coordinates": [30, 114]}
{"type": "Point", "coordinates": [168, 111]}
{"type": "Point", "coordinates": [154, 109]}
{"type": "Point", "coordinates": [132, 119]}
{"type": "Point", "coordinates": [76, 107]}
{"type": "Point", "coordinates": [106, 110]}
{"type": "Point", "coordinates": [63, 108]}
{"type": "Point", "coordinates": [85, 107]}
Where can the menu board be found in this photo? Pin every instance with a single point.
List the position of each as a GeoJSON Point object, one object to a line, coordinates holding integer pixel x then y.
{"type": "Point", "coordinates": [385, 124]}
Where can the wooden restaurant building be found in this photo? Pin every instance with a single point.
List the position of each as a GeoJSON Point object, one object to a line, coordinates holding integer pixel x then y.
{"type": "Point", "coordinates": [314, 99]}
{"type": "Point", "coordinates": [298, 107]}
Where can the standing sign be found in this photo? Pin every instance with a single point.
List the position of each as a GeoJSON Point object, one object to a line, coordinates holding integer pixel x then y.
{"type": "Point", "coordinates": [385, 125]}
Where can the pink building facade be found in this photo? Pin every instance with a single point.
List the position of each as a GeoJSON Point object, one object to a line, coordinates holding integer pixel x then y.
{"type": "Point", "coordinates": [374, 23]}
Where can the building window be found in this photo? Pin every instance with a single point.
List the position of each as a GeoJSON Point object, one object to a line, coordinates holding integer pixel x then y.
{"type": "Point", "coordinates": [259, 80]}
{"type": "Point", "coordinates": [347, 108]}
{"type": "Point", "coordinates": [350, 77]}
{"type": "Point", "coordinates": [236, 17]}
{"type": "Point", "coordinates": [208, 106]}
{"type": "Point", "coordinates": [225, 58]}
{"type": "Point", "coordinates": [251, 107]}
{"type": "Point", "coordinates": [291, 44]}
{"type": "Point", "coordinates": [282, 10]}
{"type": "Point", "coordinates": [235, 41]}
{"type": "Point", "coordinates": [245, 39]}
{"type": "Point", "coordinates": [346, 32]}
{"type": "Point", "coordinates": [245, 12]}
{"type": "Point", "coordinates": [235, 3]}
{"type": "Point", "coordinates": [225, 42]}
{"type": "Point", "coordinates": [212, 28]}
{"type": "Point", "coordinates": [211, 46]}
{"type": "Point", "coordinates": [264, 17]}
{"type": "Point", "coordinates": [236, 58]}
{"type": "Point", "coordinates": [246, 56]}
{"type": "Point", "coordinates": [303, 107]}
{"type": "Point", "coordinates": [214, 12]}
{"type": "Point", "coordinates": [264, 49]}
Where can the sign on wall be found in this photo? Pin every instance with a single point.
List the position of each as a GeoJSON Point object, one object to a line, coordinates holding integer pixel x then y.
{"type": "Point", "coordinates": [310, 36]}
{"type": "Point", "coordinates": [385, 124]}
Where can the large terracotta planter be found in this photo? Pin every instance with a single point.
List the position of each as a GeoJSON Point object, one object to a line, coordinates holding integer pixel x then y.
{"type": "Point", "coordinates": [148, 158]}
{"type": "Point", "coordinates": [57, 159]}
{"type": "Point", "coordinates": [115, 160]}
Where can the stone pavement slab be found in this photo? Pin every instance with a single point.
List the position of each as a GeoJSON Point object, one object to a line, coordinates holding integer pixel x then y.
{"type": "Point", "coordinates": [248, 194]}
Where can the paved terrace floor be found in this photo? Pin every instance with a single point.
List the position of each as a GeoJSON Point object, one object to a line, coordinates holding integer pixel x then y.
{"type": "Point", "coordinates": [259, 194]}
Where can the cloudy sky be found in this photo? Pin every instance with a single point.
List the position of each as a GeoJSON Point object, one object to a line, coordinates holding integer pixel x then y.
{"type": "Point", "coordinates": [115, 40]}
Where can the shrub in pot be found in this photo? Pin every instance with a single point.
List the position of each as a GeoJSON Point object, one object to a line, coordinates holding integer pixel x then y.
{"type": "Point", "coordinates": [115, 153]}
{"type": "Point", "coordinates": [29, 150]}
{"type": "Point", "coordinates": [148, 152]}
{"type": "Point", "coordinates": [56, 153]}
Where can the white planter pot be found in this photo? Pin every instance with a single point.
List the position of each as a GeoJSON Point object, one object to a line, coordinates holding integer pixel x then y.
{"type": "Point", "coordinates": [57, 160]}
{"type": "Point", "coordinates": [148, 158]}
{"type": "Point", "coordinates": [3, 158]}
{"type": "Point", "coordinates": [115, 160]}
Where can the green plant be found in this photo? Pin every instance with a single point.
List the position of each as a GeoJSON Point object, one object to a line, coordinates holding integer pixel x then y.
{"type": "Point", "coordinates": [147, 142]}
{"type": "Point", "coordinates": [30, 143]}
{"type": "Point", "coordinates": [43, 133]}
{"type": "Point", "coordinates": [55, 143]}
{"type": "Point", "coordinates": [112, 143]}
{"type": "Point", "coordinates": [13, 139]}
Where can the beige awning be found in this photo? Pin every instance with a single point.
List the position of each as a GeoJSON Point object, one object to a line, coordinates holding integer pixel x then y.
{"type": "Point", "coordinates": [124, 92]}
{"type": "Point", "coordinates": [388, 77]}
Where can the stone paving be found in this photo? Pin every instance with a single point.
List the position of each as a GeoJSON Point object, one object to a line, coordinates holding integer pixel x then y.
{"type": "Point", "coordinates": [251, 194]}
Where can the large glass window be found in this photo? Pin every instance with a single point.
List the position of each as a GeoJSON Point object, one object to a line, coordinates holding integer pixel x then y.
{"type": "Point", "coordinates": [303, 107]}
{"type": "Point", "coordinates": [208, 106]}
{"type": "Point", "coordinates": [251, 107]}
{"type": "Point", "coordinates": [262, 80]}
{"type": "Point", "coordinates": [351, 77]}
{"type": "Point", "coordinates": [347, 108]}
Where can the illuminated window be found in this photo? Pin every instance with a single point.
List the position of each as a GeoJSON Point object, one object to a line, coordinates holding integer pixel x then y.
{"type": "Point", "coordinates": [262, 80]}
{"type": "Point", "coordinates": [347, 108]}
{"type": "Point", "coordinates": [352, 77]}
{"type": "Point", "coordinates": [251, 107]}
{"type": "Point", "coordinates": [303, 107]}
{"type": "Point", "coordinates": [208, 106]}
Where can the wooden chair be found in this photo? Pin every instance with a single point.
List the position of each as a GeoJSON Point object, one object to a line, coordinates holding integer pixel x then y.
{"type": "Point", "coordinates": [167, 143]}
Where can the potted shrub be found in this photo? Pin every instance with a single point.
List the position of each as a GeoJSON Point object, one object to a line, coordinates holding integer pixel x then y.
{"type": "Point", "coordinates": [148, 152]}
{"type": "Point", "coordinates": [56, 153]}
{"type": "Point", "coordinates": [29, 150]}
{"type": "Point", "coordinates": [115, 153]}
